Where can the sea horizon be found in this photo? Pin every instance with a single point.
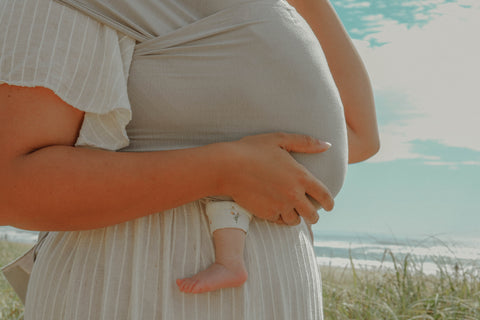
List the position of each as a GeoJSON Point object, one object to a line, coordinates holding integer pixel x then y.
{"type": "Point", "coordinates": [364, 250]}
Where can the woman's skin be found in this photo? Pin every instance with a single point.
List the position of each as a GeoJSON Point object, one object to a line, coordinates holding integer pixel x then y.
{"type": "Point", "coordinates": [48, 184]}
{"type": "Point", "coordinates": [350, 76]}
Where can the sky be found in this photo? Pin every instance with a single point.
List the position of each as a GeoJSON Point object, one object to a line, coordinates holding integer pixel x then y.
{"type": "Point", "coordinates": [423, 58]}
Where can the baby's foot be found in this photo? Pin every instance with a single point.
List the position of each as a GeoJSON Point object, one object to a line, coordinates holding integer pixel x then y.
{"type": "Point", "coordinates": [215, 277]}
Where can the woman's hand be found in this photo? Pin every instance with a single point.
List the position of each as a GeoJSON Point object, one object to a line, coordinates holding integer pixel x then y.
{"type": "Point", "coordinates": [265, 179]}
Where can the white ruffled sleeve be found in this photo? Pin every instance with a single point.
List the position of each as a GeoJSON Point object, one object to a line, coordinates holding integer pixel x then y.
{"type": "Point", "coordinates": [44, 43]}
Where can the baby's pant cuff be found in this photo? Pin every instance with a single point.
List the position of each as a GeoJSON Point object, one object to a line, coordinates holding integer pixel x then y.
{"type": "Point", "coordinates": [227, 214]}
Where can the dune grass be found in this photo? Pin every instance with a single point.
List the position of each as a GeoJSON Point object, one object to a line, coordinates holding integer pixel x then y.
{"type": "Point", "coordinates": [405, 292]}
{"type": "Point", "coordinates": [11, 307]}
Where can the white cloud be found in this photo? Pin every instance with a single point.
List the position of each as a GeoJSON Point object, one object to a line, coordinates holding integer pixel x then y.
{"type": "Point", "coordinates": [453, 165]}
{"type": "Point", "coordinates": [421, 16]}
{"type": "Point", "coordinates": [437, 69]}
{"type": "Point", "coordinates": [374, 17]}
{"type": "Point", "coordinates": [353, 5]}
{"type": "Point", "coordinates": [416, 3]}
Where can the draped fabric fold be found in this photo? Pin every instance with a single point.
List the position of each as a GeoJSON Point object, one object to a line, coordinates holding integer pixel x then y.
{"type": "Point", "coordinates": [137, 19]}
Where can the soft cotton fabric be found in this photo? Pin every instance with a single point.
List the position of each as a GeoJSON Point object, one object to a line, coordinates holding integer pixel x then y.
{"type": "Point", "coordinates": [84, 63]}
{"type": "Point", "coordinates": [227, 214]}
{"type": "Point", "coordinates": [128, 271]}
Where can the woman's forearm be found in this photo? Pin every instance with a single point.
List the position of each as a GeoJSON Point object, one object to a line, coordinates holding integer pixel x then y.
{"type": "Point", "coordinates": [47, 184]}
{"type": "Point", "coordinates": [350, 76]}
{"type": "Point", "coordinates": [69, 188]}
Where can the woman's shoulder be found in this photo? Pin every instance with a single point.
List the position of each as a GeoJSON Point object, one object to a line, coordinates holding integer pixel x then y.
{"type": "Point", "coordinates": [45, 43]}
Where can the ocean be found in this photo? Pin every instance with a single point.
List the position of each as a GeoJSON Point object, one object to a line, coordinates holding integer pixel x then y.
{"type": "Point", "coordinates": [375, 251]}
{"type": "Point", "coordinates": [340, 249]}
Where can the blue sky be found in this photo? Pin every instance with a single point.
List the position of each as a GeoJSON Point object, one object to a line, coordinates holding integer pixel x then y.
{"type": "Point", "coordinates": [423, 58]}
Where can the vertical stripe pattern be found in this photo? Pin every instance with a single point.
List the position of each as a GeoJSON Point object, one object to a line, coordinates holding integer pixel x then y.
{"type": "Point", "coordinates": [44, 43]}
{"type": "Point", "coordinates": [128, 271]}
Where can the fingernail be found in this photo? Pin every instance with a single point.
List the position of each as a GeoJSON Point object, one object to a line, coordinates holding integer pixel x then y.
{"type": "Point", "coordinates": [324, 144]}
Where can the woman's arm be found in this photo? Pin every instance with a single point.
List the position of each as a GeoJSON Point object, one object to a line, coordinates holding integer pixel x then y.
{"type": "Point", "coordinates": [48, 184]}
{"type": "Point", "coordinates": [349, 74]}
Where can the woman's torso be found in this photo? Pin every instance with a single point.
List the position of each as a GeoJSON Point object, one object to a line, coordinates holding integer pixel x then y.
{"type": "Point", "coordinates": [220, 70]}
{"type": "Point", "coordinates": [272, 77]}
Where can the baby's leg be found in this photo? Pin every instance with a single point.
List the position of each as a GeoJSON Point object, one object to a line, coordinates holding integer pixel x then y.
{"type": "Point", "coordinates": [229, 225]}
{"type": "Point", "coordinates": [229, 268]}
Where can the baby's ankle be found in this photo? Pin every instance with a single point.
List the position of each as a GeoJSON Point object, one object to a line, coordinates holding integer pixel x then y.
{"type": "Point", "coordinates": [236, 268]}
{"type": "Point", "coordinates": [231, 262]}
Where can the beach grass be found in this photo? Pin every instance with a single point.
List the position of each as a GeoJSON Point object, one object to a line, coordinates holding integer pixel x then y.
{"type": "Point", "coordinates": [402, 293]}
{"type": "Point", "coordinates": [11, 307]}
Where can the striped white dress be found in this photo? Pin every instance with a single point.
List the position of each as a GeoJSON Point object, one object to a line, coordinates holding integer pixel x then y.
{"type": "Point", "coordinates": [128, 271]}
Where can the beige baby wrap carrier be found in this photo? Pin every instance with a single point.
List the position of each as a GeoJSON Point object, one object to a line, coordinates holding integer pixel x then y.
{"type": "Point", "coordinates": [246, 69]}
{"type": "Point", "coordinates": [242, 70]}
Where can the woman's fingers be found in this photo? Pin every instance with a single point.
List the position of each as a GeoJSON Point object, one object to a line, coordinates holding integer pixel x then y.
{"type": "Point", "coordinates": [307, 211]}
{"type": "Point", "coordinates": [293, 142]}
{"type": "Point", "coordinates": [319, 192]}
{"type": "Point", "coordinates": [291, 218]}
